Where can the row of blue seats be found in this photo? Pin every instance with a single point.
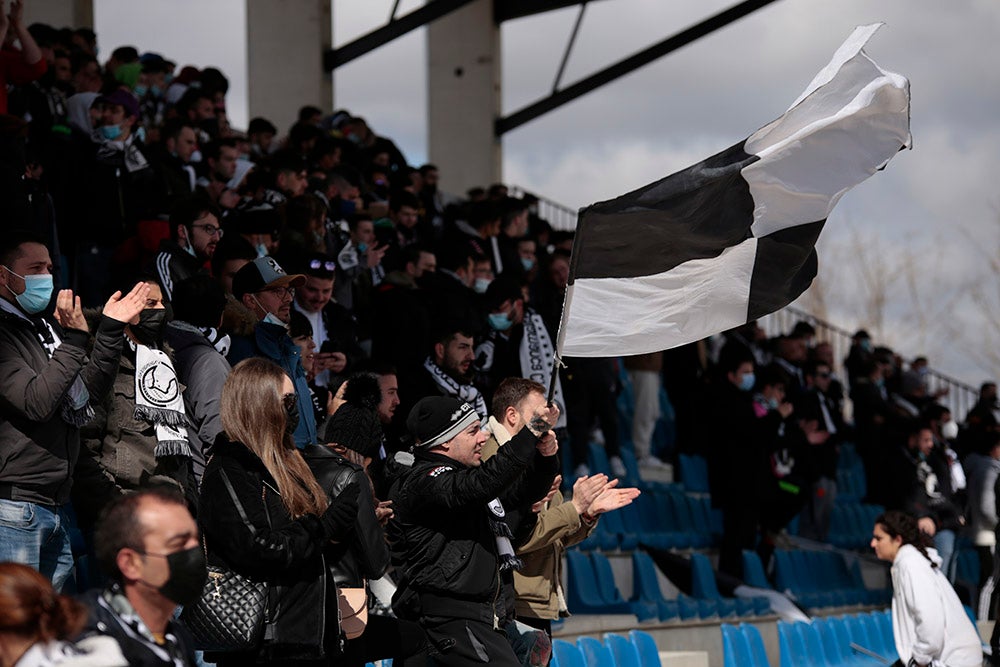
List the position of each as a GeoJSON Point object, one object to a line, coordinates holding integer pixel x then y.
{"type": "Point", "coordinates": [660, 519]}
{"type": "Point", "coordinates": [851, 524]}
{"type": "Point", "coordinates": [637, 650]}
{"type": "Point", "coordinates": [822, 579]}
{"type": "Point", "coordinates": [825, 642]}
{"type": "Point", "coordinates": [592, 590]}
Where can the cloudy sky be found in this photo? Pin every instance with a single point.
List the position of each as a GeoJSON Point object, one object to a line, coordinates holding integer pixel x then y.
{"type": "Point", "coordinates": [907, 253]}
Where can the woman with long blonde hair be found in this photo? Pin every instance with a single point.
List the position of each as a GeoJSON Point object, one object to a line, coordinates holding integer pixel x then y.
{"type": "Point", "coordinates": [265, 517]}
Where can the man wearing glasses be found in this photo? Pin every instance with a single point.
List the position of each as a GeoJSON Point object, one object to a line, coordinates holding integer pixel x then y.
{"type": "Point", "coordinates": [194, 234]}
{"type": "Point", "coordinates": [264, 289]}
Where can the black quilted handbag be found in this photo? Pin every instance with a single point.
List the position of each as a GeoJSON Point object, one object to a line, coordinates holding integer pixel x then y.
{"type": "Point", "coordinates": [230, 614]}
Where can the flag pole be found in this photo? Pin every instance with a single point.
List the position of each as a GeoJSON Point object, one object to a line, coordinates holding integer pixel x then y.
{"type": "Point", "coordinates": [567, 302]}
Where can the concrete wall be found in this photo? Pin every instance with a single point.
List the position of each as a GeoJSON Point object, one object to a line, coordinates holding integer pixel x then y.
{"type": "Point", "coordinates": [60, 13]}
{"type": "Point", "coordinates": [463, 52]}
{"type": "Point", "coordinates": [285, 44]}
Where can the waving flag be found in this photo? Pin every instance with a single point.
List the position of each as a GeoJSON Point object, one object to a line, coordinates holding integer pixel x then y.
{"type": "Point", "coordinates": [733, 237]}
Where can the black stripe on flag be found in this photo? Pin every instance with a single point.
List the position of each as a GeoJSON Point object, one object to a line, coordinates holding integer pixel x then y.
{"type": "Point", "coordinates": [692, 214]}
{"type": "Point", "coordinates": [784, 267]}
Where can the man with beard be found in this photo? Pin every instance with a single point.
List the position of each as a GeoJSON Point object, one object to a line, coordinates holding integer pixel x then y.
{"type": "Point", "coordinates": [264, 289]}
{"type": "Point", "coordinates": [447, 371]}
{"type": "Point", "coordinates": [194, 234]}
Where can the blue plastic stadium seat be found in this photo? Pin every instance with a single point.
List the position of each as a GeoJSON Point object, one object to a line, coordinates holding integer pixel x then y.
{"type": "Point", "coordinates": [613, 597]}
{"type": "Point", "coordinates": [598, 459]}
{"type": "Point", "coordinates": [883, 619]}
{"type": "Point", "coordinates": [622, 650]}
{"type": "Point", "coordinates": [649, 653]}
{"type": "Point", "coordinates": [694, 473]}
{"type": "Point", "coordinates": [753, 570]}
{"type": "Point", "coordinates": [567, 654]}
{"type": "Point", "coordinates": [791, 646]}
{"type": "Point", "coordinates": [757, 651]}
{"type": "Point", "coordinates": [735, 649]}
{"type": "Point", "coordinates": [595, 653]}
{"type": "Point", "coordinates": [812, 642]}
{"type": "Point", "coordinates": [614, 526]}
{"type": "Point", "coordinates": [703, 587]}
{"type": "Point", "coordinates": [583, 593]}
{"type": "Point", "coordinates": [646, 588]}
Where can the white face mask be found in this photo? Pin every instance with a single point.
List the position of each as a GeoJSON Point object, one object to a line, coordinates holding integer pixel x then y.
{"type": "Point", "coordinates": [270, 317]}
{"type": "Point", "coordinates": [949, 429]}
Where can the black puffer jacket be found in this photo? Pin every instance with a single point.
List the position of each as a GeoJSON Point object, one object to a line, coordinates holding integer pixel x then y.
{"type": "Point", "coordinates": [441, 535]}
{"type": "Point", "coordinates": [366, 555]}
{"type": "Point", "coordinates": [287, 553]}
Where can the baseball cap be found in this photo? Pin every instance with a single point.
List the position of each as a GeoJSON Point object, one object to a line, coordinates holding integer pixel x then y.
{"type": "Point", "coordinates": [122, 98]}
{"type": "Point", "coordinates": [263, 273]}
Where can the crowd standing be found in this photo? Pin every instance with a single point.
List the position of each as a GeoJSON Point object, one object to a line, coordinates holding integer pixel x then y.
{"type": "Point", "coordinates": [291, 357]}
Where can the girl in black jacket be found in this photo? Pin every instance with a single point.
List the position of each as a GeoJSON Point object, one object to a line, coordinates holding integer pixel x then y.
{"type": "Point", "coordinates": [291, 522]}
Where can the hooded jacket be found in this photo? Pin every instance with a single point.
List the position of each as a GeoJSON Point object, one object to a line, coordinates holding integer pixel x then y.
{"type": "Point", "coordinates": [929, 624]}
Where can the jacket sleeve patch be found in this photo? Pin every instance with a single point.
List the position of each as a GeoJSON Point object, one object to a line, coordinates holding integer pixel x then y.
{"type": "Point", "coordinates": [439, 470]}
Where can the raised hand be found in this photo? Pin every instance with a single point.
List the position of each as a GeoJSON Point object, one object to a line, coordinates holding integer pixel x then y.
{"type": "Point", "coordinates": [612, 499]}
{"type": "Point", "coordinates": [586, 489]}
{"type": "Point", "coordinates": [540, 505]}
{"type": "Point", "coordinates": [542, 420]}
{"type": "Point", "coordinates": [126, 308]}
{"type": "Point", "coordinates": [548, 444]}
{"type": "Point", "coordinates": [68, 313]}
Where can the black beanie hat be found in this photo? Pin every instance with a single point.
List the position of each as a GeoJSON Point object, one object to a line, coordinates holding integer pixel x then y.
{"type": "Point", "coordinates": [437, 419]}
{"type": "Point", "coordinates": [356, 428]}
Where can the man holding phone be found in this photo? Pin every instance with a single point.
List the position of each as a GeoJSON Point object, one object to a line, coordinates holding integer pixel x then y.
{"type": "Point", "coordinates": [334, 327]}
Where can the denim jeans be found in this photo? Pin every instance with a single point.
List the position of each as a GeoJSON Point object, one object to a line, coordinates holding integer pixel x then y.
{"type": "Point", "coordinates": [944, 542]}
{"type": "Point", "coordinates": [36, 535]}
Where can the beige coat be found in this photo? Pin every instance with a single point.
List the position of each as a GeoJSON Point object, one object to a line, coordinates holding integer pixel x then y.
{"type": "Point", "coordinates": [538, 583]}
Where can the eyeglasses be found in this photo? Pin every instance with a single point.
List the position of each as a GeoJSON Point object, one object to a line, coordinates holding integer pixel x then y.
{"type": "Point", "coordinates": [280, 291]}
{"type": "Point", "coordinates": [211, 230]}
{"type": "Point", "coordinates": [327, 265]}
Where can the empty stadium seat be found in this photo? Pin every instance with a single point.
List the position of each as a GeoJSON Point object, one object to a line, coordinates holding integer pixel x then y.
{"type": "Point", "coordinates": [595, 652]}
{"type": "Point", "coordinates": [757, 651]}
{"type": "Point", "coordinates": [703, 586]}
{"type": "Point", "coordinates": [612, 596]}
{"type": "Point", "coordinates": [649, 652]}
{"type": "Point", "coordinates": [694, 473]}
{"type": "Point", "coordinates": [566, 654]}
{"type": "Point", "coordinates": [646, 587]}
{"type": "Point", "coordinates": [622, 650]}
{"type": "Point", "coordinates": [735, 649]}
{"type": "Point", "coordinates": [583, 593]}
{"type": "Point", "coordinates": [792, 649]}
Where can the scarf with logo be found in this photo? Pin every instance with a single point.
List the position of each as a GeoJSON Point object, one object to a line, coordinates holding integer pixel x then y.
{"type": "Point", "coordinates": [158, 401]}
{"type": "Point", "coordinates": [449, 386]}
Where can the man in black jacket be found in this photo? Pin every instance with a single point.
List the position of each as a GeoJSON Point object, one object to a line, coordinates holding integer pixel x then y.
{"type": "Point", "coordinates": [148, 544]}
{"type": "Point", "coordinates": [449, 537]}
{"type": "Point", "coordinates": [48, 383]}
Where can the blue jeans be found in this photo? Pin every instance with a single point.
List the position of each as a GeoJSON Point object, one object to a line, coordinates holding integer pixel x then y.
{"type": "Point", "coordinates": [36, 535]}
{"type": "Point", "coordinates": [944, 542]}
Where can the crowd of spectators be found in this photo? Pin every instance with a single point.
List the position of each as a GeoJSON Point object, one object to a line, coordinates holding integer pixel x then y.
{"type": "Point", "coordinates": [254, 329]}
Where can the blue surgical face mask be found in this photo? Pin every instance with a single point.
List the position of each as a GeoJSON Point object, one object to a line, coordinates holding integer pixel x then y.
{"type": "Point", "coordinates": [747, 382]}
{"type": "Point", "coordinates": [270, 317]}
{"type": "Point", "coordinates": [110, 132]}
{"type": "Point", "coordinates": [772, 403]}
{"type": "Point", "coordinates": [500, 321]}
{"type": "Point", "coordinates": [481, 285]}
{"type": "Point", "coordinates": [362, 247]}
{"type": "Point", "coordinates": [261, 250]}
{"type": "Point", "coordinates": [527, 263]}
{"type": "Point", "coordinates": [156, 92]}
{"type": "Point", "coordinates": [37, 292]}
{"type": "Point", "coordinates": [140, 91]}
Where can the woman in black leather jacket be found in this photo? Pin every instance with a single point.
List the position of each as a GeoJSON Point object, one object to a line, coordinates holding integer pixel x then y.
{"type": "Point", "coordinates": [355, 437]}
{"type": "Point", "coordinates": [286, 521]}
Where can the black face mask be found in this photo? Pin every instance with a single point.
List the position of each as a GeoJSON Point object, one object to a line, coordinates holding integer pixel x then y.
{"type": "Point", "coordinates": [188, 573]}
{"type": "Point", "coordinates": [149, 330]}
{"type": "Point", "coordinates": [291, 414]}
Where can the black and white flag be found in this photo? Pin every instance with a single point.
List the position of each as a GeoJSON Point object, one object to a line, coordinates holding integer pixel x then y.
{"type": "Point", "coordinates": [732, 238]}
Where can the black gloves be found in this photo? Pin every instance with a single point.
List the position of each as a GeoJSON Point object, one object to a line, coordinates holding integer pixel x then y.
{"type": "Point", "coordinates": [338, 519]}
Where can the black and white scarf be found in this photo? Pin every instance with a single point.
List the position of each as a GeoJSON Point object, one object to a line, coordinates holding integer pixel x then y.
{"type": "Point", "coordinates": [506, 559]}
{"type": "Point", "coordinates": [449, 386]}
{"type": "Point", "coordinates": [110, 152]}
{"type": "Point", "coordinates": [158, 401]}
{"type": "Point", "coordinates": [538, 358]}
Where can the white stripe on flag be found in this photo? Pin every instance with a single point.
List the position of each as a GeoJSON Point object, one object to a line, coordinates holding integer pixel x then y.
{"type": "Point", "coordinates": [850, 121]}
{"type": "Point", "coordinates": [624, 316]}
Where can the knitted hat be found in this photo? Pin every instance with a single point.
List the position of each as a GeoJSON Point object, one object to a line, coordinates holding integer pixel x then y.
{"type": "Point", "coordinates": [356, 428]}
{"type": "Point", "coordinates": [355, 424]}
{"type": "Point", "coordinates": [435, 420]}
